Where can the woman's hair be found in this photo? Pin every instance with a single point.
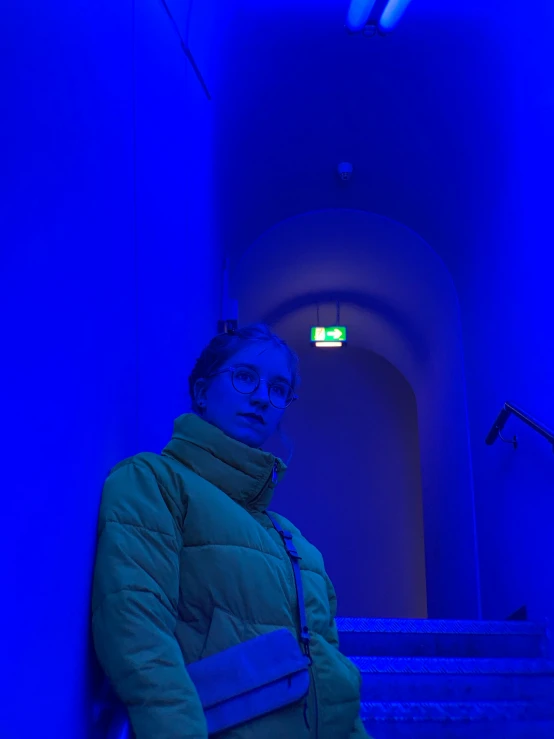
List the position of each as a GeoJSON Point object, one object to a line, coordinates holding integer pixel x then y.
{"type": "Point", "coordinates": [224, 346]}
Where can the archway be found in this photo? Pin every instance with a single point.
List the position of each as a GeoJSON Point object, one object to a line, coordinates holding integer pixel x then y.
{"type": "Point", "coordinates": [403, 306]}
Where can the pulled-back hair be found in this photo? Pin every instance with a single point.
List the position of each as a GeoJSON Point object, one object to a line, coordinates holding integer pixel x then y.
{"type": "Point", "coordinates": [224, 346]}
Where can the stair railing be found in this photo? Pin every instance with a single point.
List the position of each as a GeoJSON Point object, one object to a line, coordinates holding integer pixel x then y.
{"type": "Point", "coordinates": [509, 409]}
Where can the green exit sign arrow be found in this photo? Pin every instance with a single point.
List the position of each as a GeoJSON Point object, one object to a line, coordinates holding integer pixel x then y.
{"type": "Point", "coordinates": [328, 334]}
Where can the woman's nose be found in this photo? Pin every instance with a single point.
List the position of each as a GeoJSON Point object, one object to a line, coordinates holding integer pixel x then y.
{"type": "Point", "coordinates": [261, 394]}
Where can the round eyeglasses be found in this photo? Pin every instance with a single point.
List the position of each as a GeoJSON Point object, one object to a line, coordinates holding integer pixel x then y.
{"type": "Point", "coordinates": [246, 381]}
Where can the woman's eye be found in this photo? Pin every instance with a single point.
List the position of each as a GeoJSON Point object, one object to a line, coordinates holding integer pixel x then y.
{"type": "Point", "coordinates": [245, 376]}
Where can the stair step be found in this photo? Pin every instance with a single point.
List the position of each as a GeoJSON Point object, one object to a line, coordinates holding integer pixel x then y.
{"type": "Point", "coordinates": [439, 679]}
{"type": "Point", "coordinates": [456, 711]}
{"type": "Point", "coordinates": [466, 730]}
{"type": "Point", "coordinates": [429, 638]}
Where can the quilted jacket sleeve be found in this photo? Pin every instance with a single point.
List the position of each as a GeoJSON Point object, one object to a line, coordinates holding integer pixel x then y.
{"type": "Point", "coordinates": [135, 596]}
{"type": "Point", "coordinates": [332, 636]}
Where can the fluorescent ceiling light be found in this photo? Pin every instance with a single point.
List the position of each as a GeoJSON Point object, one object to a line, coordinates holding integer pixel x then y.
{"type": "Point", "coordinates": [392, 14]}
{"type": "Point", "coordinates": [328, 344]}
{"type": "Point", "coordinates": [358, 14]}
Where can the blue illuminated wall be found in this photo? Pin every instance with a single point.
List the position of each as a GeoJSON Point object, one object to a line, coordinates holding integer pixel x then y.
{"type": "Point", "coordinates": [108, 286]}
{"type": "Point", "coordinates": [448, 123]}
{"type": "Point", "coordinates": [509, 320]}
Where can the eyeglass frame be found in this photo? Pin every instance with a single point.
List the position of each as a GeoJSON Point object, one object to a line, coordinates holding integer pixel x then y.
{"type": "Point", "coordinates": [260, 379]}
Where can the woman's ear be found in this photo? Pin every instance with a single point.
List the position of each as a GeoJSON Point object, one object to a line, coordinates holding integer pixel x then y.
{"type": "Point", "coordinates": [200, 389]}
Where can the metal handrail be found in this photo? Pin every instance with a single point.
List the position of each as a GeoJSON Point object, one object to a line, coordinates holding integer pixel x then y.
{"type": "Point", "coordinates": [507, 410]}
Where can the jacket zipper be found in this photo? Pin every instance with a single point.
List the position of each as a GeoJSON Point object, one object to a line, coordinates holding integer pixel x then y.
{"type": "Point", "coordinates": [272, 477]}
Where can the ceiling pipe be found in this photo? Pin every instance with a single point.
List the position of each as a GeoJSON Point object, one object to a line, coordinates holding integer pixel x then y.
{"type": "Point", "coordinates": [358, 14]}
{"type": "Point", "coordinates": [392, 13]}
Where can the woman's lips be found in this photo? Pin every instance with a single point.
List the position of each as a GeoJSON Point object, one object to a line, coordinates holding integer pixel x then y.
{"type": "Point", "coordinates": [254, 417]}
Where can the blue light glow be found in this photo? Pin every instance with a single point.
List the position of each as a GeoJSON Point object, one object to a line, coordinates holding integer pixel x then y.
{"type": "Point", "coordinates": [392, 14]}
{"type": "Point", "coordinates": [358, 14]}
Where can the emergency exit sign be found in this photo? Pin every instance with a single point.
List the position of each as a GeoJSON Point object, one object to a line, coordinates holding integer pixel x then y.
{"type": "Point", "coordinates": [329, 335]}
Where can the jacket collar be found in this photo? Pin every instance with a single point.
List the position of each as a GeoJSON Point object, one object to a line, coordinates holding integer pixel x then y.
{"type": "Point", "coordinates": [246, 475]}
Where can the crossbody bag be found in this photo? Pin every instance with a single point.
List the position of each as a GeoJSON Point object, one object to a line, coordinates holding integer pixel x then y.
{"type": "Point", "coordinates": [252, 679]}
{"type": "Point", "coordinates": [260, 675]}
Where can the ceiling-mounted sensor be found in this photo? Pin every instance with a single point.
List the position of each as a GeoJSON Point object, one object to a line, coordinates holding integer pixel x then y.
{"type": "Point", "coordinates": [345, 170]}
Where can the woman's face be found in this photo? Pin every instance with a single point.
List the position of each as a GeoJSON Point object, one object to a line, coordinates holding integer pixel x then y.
{"type": "Point", "coordinates": [249, 418]}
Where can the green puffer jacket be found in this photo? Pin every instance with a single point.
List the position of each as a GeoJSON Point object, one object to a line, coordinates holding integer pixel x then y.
{"type": "Point", "coordinates": [188, 565]}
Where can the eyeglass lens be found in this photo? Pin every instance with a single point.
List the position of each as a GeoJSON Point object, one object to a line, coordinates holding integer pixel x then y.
{"type": "Point", "coordinates": [247, 380]}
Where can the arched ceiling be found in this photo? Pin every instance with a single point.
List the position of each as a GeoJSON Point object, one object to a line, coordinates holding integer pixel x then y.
{"type": "Point", "coordinates": [424, 116]}
{"type": "Point", "coordinates": [396, 295]}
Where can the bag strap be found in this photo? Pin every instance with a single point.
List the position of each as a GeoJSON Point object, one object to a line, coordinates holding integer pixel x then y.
{"type": "Point", "coordinates": [286, 536]}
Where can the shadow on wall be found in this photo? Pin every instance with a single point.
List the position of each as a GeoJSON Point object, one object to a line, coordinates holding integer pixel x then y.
{"type": "Point", "coordinates": [402, 305]}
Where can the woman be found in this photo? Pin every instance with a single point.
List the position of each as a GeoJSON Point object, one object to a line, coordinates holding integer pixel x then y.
{"type": "Point", "coordinates": [189, 564]}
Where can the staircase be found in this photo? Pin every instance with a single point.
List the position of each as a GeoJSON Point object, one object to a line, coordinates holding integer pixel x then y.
{"type": "Point", "coordinates": [452, 679]}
